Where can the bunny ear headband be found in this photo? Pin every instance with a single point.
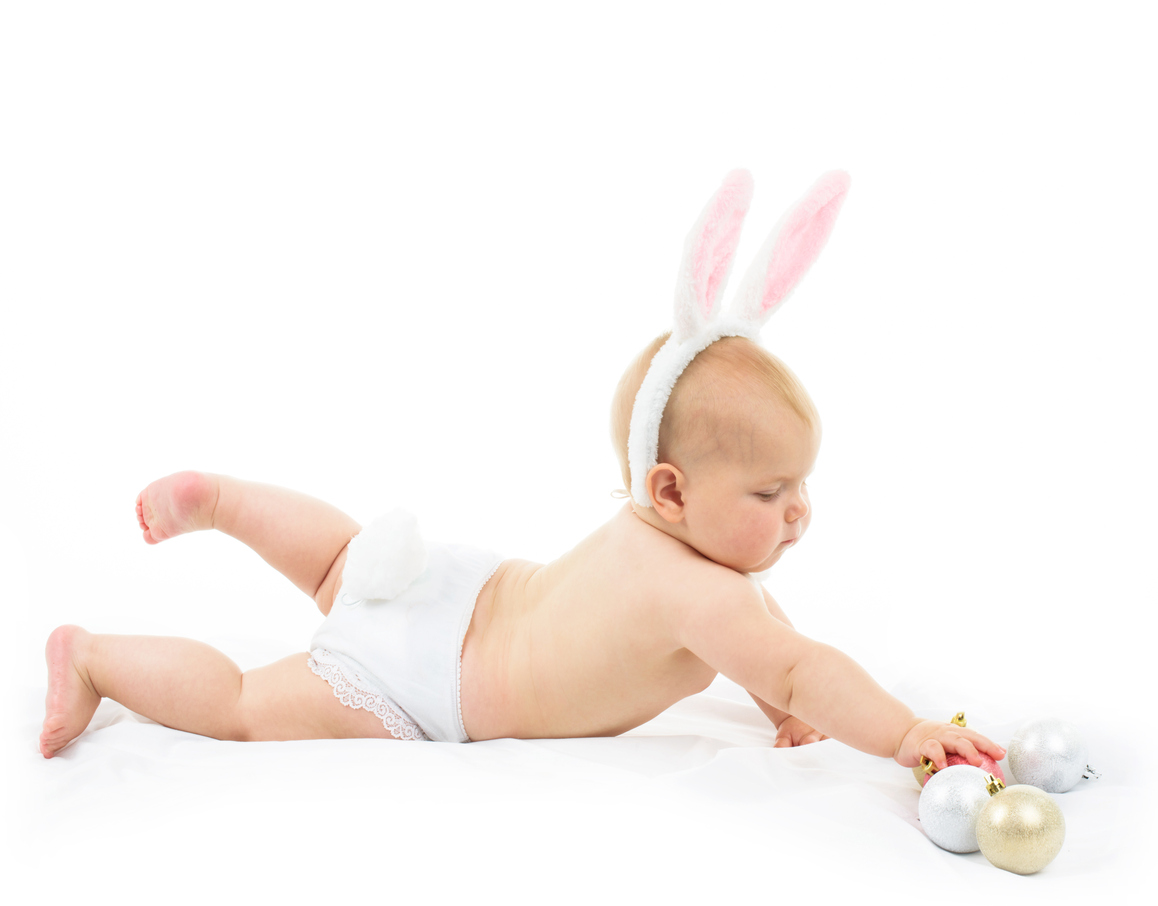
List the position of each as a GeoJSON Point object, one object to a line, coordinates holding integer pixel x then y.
{"type": "Point", "coordinates": [789, 251]}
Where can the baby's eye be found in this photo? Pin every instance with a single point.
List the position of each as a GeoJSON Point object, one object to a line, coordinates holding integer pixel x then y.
{"type": "Point", "coordinates": [770, 496]}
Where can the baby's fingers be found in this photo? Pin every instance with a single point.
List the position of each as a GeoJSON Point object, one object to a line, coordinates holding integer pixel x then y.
{"type": "Point", "coordinates": [963, 747]}
{"type": "Point", "coordinates": [933, 750]}
{"type": "Point", "coordinates": [969, 744]}
{"type": "Point", "coordinates": [985, 744]}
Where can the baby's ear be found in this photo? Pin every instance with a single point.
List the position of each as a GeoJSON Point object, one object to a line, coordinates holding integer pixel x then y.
{"type": "Point", "coordinates": [663, 488]}
{"type": "Point", "coordinates": [790, 249]}
{"type": "Point", "coordinates": [708, 253]}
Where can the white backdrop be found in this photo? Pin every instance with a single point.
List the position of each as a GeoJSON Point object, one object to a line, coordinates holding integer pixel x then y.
{"type": "Point", "coordinates": [401, 253]}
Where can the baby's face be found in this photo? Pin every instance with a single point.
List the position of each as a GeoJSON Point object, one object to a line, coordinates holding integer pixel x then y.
{"type": "Point", "coordinates": [746, 506]}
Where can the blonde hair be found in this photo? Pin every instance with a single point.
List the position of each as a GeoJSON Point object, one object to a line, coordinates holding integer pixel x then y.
{"type": "Point", "coordinates": [725, 370]}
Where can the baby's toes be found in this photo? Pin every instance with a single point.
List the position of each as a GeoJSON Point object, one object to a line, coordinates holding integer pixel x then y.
{"type": "Point", "coordinates": [147, 520]}
{"type": "Point", "coordinates": [53, 736]}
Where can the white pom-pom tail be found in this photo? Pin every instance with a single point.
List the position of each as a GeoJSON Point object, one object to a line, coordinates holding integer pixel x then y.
{"type": "Point", "coordinates": [384, 558]}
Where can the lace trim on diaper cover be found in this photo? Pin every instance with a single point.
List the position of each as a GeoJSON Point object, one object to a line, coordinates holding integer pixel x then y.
{"type": "Point", "coordinates": [353, 692]}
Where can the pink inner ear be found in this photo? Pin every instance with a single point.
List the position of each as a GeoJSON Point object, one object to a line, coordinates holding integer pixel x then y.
{"type": "Point", "coordinates": [717, 243]}
{"type": "Point", "coordinates": [798, 243]}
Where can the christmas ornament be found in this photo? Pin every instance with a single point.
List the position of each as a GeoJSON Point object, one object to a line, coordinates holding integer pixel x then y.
{"type": "Point", "coordinates": [1049, 754]}
{"type": "Point", "coordinates": [927, 769]}
{"type": "Point", "coordinates": [988, 766]}
{"type": "Point", "coordinates": [950, 803]}
{"type": "Point", "coordinates": [1020, 828]}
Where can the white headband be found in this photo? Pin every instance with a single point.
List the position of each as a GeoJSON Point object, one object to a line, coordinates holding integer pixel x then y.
{"type": "Point", "coordinates": [785, 257]}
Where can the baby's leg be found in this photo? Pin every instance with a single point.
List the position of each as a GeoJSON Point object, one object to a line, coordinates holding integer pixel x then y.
{"type": "Point", "coordinates": [189, 686]}
{"type": "Point", "coordinates": [299, 536]}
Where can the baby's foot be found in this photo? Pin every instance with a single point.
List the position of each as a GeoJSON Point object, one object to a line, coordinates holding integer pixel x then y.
{"type": "Point", "coordinates": [183, 502]}
{"type": "Point", "coordinates": [71, 698]}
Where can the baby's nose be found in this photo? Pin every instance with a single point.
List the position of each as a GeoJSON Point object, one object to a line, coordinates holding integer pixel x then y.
{"type": "Point", "coordinates": [798, 508]}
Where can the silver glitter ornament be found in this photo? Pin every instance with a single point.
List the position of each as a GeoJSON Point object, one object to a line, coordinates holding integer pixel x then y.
{"type": "Point", "coordinates": [949, 805]}
{"type": "Point", "coordinates": [1048, 754]}
{"type": "Point", "coordinates": [1021, 829]}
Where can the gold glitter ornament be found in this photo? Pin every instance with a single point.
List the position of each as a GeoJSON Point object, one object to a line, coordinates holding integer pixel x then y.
{"type": "Point", "coordinates": [1020, 829]}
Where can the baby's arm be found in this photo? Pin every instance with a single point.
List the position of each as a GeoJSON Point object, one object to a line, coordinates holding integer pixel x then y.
{"type": "Point", "coordinates": [790, 731]}
{"type": "Point", "coordinates": [733, 631]}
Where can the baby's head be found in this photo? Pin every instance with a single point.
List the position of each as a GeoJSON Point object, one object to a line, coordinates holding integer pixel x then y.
{"type": "Point", "coordinates": [714, 435]}
{"type": "Point", "coordinates": [738, 437]}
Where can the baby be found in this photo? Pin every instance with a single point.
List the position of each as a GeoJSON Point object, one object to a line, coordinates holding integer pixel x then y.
{"type": "Point", "coordinates": [716, 439]}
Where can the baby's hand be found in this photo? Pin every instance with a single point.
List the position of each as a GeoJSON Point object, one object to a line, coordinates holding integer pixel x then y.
{"type": "Point", "coordinates": [795, 732]}
{"type": "Point", "coordinates": [936, 740]}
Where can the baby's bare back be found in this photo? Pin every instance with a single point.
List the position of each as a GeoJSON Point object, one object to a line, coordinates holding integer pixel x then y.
{"type": "Point", "coordinates": [586, 645]}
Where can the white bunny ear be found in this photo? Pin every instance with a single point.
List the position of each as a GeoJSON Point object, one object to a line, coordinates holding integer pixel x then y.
{"type": "Point", "coordinates": [791, 248]}
{"type": "Point", "coordinates": [708, 253]}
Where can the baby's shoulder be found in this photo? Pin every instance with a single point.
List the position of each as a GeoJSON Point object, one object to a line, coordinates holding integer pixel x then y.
{"type": "Point", "coordinates": [677, 573]}
{"type": "Point", "coordinates": [707, 590]}
{"type": "Point", "coordinates": [692, 595]}
{"type": "Point", "coordinates": [629, 560]}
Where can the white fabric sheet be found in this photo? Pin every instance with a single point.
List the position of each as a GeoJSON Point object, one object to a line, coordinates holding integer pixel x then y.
{"type": "Point", "coordinates": [694, 805]}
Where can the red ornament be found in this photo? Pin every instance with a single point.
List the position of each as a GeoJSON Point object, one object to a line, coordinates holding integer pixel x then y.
{"type": "Point", "coordinates": [988, 765]}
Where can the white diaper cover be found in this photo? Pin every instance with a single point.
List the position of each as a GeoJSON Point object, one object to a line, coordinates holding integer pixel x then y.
{"type": "Point", "coordinates": [401, 657]}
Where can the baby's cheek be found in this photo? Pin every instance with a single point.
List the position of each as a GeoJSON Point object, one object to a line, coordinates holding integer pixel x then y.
{"type": "Point", "coordinates": [749, 537]}
{"type": "Point", "coordinates": [759, 535]}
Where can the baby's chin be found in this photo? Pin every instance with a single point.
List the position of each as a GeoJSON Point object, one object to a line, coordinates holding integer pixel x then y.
{"type": "Point", "coordinates": [763, 569]}
{"type": "Point", "coordinates": [744, 562]}
{"type": "Point", "coordinates": [757, 568]}
{"type": "Point", "coordinates": [768, 563]}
